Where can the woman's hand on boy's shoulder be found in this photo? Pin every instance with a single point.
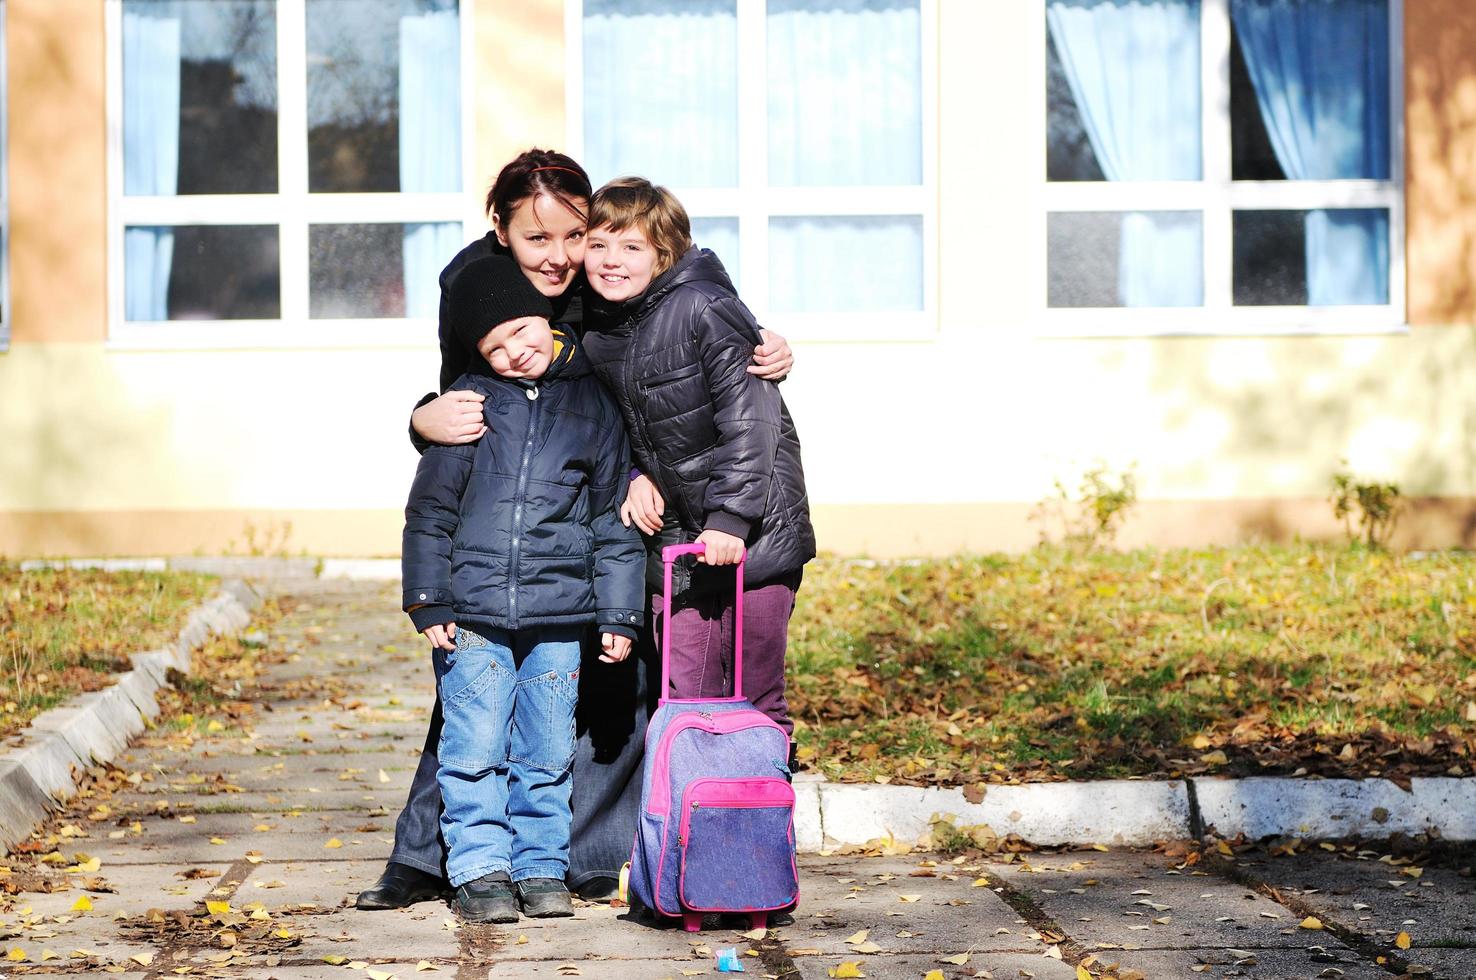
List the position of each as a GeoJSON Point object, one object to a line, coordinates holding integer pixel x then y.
{"type": "Point", "coordinates": [452, 419]}
{"type": "Point", "coordinates": [616, 647]}
{"type": "Point", "coordinates": [772, 360]}
{"type": "Point", "coordinates": [644, 505]}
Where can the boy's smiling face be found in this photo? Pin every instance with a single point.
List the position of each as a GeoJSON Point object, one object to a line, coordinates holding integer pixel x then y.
{"type": "Point", "coordinates": [519, 348]}
{"type": "Point", "coordinates": [619, 264]}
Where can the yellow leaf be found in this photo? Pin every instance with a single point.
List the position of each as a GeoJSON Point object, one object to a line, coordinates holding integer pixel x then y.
{"type": "Point", "coordinates": [858, 937]}
{"type": "Point", "coordinates": [17, 955]}
{"type": "Point", "coordinates": [82, 904]}
{"type": "Point", "coordinates": [188, 818]}
{"type": "Point", "coordinates": [846, 969]}
{"type": "Point", "coordinates": [217, 840]}
{"type": "Point", "coordinates": [908, 898]}
{"type": "Point", "coordinates": [378, 975]}
{"type": "Point", "coordinates": [218, 908]}
{"type": "Point", "coordinates": [1402, 940]}
{"type": "Point", "coordinates": [333, 842]}
{"type": "Point", "coordinates": [384, 778]}
{"type": "Point", "coordinates": [522, 940]}
{"type": "Point", "coordinates": [958, 960]}
{"type": "Point", "coordinates": [934, 975]}
{"type": "Point", "coordinates": [1215, 758]}
{"type": "Point", "coordinates": [49, 954]}
{"type": "Point", "coordinates": [1412, 872]}
{"type": "Point", "coordinates": [254, 857]}
{"type": "Point", "coordinates": [1311, 922]}
{"type": "Point", "coordinates": [981, 883]}
{"type": "Point", "coordinates": [282, 934]}
{"type": "Point", "coordinates": [1082, 973]}
{"type": "Point", "coordinates": [214, 726]}
{"type": "Point", "coordinates": [425, 965]}
{"type": "Point", "coordinates": [262, 828]}
{"type": "Point", "coordinates": [755, 934]}
{"type": "Point", "coordinates": [142, 959]}
{"type": "Point", "coordinates": [333, 959]}
{"type": "Point", "coordinates": [260, 915]}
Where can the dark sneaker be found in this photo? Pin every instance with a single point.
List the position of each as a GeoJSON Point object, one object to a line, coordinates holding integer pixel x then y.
{"type": "Point", "coordinates": [487, 899]}
{"type": "Point", "coordinates": [400, 886]}
{"type": "Point", "coordinates": [544, 898]}
{"type": "Point", "coordinates": [600, 888]}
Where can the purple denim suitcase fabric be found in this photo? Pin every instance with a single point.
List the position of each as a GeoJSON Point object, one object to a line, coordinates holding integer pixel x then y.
{"type": "Point", "coordinates": [755, 752]}
{"type": "Point", "coordinates": [739, 859]}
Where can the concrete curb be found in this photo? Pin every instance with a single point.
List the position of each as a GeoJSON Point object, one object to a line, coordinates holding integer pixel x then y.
{"type": "Point", "coordinates": [1135, 813]}
{"type": "Point", "coordinates": [94, 728]}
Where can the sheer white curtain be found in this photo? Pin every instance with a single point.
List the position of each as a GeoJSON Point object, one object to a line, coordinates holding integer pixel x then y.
{"type": "Point", "coordinates": [845, 110]}
{"type": "Point", "coordinates": [661, 91]}
{"type": "Point", "coordinates": [430, 145]}
{"type": "Point", "coordinates": [1133, 67]}
{"type": "Point", "coordinates": [1321, 75]}
{"type": "Point", "coordinates": [151, 52]}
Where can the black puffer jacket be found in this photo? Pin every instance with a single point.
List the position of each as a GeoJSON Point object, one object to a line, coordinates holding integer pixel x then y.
{"type": "Point", "coordinates": [522, 528]}
{"type": "Point", "coordinates": [717, 441]}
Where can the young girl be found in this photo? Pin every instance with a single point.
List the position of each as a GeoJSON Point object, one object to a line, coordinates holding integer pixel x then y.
{"type": "Point", "coordinates": [672, 341]}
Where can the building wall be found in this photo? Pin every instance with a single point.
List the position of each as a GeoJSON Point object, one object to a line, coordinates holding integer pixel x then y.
{"type": "Point", "coordinates": [911, 447]}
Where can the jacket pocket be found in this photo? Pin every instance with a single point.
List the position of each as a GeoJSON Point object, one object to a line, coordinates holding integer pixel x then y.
{"type": "Point", "coordinates": [671, 377]}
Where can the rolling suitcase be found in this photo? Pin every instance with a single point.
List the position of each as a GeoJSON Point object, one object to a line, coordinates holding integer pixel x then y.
{"type": "Point", "coordinates": [716, 830]}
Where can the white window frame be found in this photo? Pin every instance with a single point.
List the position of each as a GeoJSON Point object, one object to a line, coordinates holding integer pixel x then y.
{"type": "Point", "coordinates": [5, 311]}
{"type": "Point", "coordinates": [753, 202]}
{"type": "Point", "coordinates": [292, 209]}
{"type": "Point", "coordinates": [1216, 196]}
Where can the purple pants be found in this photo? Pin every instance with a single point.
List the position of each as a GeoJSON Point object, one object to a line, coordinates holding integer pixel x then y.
{"type": "Point", "coordinates": [702, 647]}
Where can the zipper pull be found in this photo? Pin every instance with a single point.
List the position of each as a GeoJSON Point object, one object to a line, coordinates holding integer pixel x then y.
{"type": "Point", "coordinates": [532, 394]}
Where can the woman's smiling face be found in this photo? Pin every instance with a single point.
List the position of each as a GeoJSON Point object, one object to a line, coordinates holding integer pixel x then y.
{"type": "Point", "coordinates": [546, 238]}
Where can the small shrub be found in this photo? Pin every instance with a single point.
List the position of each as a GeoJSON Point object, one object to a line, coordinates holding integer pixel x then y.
{"type": "Point", "coordinates": [1374, 507]}
{"type": "Point", "coordinates": [1091, 517]}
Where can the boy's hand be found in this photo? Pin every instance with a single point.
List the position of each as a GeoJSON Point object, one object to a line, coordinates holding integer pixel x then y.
{"type": "Point", "coordinates": [644, 505]}
{"type": "Point", "coordinates": [772, 360]}
{"type": "Point", "coordinates": [616, 647]}
{"type": "Point", "coordinates": [451, 419]}
{"type": "Point", "coordinates": [442, 636]}
{"type": "Point", "coordinates": [722, 548]}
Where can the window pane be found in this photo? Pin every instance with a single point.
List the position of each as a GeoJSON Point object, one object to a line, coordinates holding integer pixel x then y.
{"type": "Point", "coordinates": [202, 272]}
{"type": "Point", "coordinates": [199, 97]}
{"type": "Point", "coordinates": [720, 236]}
{"type": "Point", "coordinates": [845, 92]}
{"type": "Point", "coordinates": [1132, 74]}
{"type": "Point", "coordinates": [1319, 72]}
{"type": "Point", "coordinates": [830, 264]}
{"type": "Point", "coordinates": [384, 95]}
{"type": "Point", "coordinates": [1130, 258]}
{"type": "Point", "coordinates": [661, 91]}
{"type": "Point", "coordinates": [377, 270]}
{"type": "Point", "coordinates": [1069, 154]}
{"type": "Point", "coordinates": [1324, 257]}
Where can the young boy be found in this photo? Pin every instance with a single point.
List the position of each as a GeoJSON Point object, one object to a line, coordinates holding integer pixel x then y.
{"type": "Point", "coordinates": [672, 340]}
{"type": "Point", "coordinates": [512, 545]}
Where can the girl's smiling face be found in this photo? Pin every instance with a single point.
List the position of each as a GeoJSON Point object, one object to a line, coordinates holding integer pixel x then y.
{"type": "Point", "coordinates": [619, 264]}
{"type": "Point", "coordinates": [546, 238]}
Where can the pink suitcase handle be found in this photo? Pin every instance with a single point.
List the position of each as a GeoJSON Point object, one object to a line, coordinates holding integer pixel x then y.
{"type": "Point", "coordinates": [669, 555]}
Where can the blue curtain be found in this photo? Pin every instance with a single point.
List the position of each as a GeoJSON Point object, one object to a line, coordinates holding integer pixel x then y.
{"type": "Point", "coordinates": [1320, 69]}
{"type": "Point", "coordinates": [661, 91]}
{"type": "Point", "coordinates": [1133, 67]}
{"type": "Point", "coordinates": [430, 145]}
{"type": "Point", "coordinates": [151, 51]}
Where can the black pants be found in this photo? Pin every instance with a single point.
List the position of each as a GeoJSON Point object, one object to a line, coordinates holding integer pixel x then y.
{"type": "Point", "coordinates": [615, 701]}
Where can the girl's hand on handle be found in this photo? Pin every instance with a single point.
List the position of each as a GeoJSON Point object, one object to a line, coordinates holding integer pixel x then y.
{"type": "Point", "coordinates": [442, 636]}
{"type": "Point", "coordinates": [772, 360]}
{"type": "Point", "coordinates": [616, 647]}
{"type": "Point", "coordinates": [722, 548]}
{"type": "Point", "coordinates": [644, 505]}
{"type": "Point", "coordinates": [451, 419]}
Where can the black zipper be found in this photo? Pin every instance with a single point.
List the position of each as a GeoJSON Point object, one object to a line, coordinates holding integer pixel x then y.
{"type": "Point", "coordinates": [518, 502]}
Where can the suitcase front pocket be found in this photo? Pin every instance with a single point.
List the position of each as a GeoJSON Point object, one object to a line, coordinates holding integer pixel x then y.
{"type": "Point", "coordinates": [737, 842]}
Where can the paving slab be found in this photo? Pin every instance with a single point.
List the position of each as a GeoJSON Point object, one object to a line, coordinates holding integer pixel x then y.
{"type": "Point", "coordinates": [1004, 966]}
{"type": "Point", "coordinates": [1262, 964]}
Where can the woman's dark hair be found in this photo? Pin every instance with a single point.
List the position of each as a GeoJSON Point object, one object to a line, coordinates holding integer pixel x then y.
{"type": "Point", "coordinates": [535, 172]}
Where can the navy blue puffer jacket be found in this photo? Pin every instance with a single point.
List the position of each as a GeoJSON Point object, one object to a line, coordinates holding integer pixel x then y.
{"type": "Point", "coordinates": [522, 528]}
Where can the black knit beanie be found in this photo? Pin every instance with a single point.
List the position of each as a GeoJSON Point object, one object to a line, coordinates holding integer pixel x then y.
{"type": "Point", "coordinates": [488, 291]}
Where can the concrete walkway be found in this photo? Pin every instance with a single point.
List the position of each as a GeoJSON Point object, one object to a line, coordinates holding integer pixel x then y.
{"type": "Point", "coordinates": [284, 821]}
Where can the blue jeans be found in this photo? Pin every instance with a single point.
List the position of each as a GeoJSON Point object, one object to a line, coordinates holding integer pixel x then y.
{"type": "Point", "coordinates": [506, 745]}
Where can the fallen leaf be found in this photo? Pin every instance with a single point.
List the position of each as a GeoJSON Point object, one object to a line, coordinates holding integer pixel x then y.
{"type": "Point", "coordinates": [1082, 973]}
{"type": "Point", "coordinates": [858, 937]}
{"type": "Point", "coordinates": [333, 959]}
{"type": "Point", "coordinates": [848, 968]}
{"type": "Point", "coordinates": [17, 955]}
{"type": "Point", "coordinates": [867, 948]}
{"type": "Point", "coordinates": [1402, 940]}
{"type": "Point", "coordinates": [384, 778]}
{"type": "Point", "coordinates": [218, 908]}
{"type": "Point", "coordinates": [755, 934]}
{"type": "Point", "coordinates": [958, 960]}
{"type": "Point", "coordinates": [908, 898]}
{"type": "Point", "coordinates": [142, 959]}
{"type": "Point", "coordinates": [423, 965]}
{"type": "Point", "coordinates": [1311, 922]}
{"type": "Point", "coordinates": [933, 975]}
{"type": "Point", "coordinates": [379, 975]}
{"type": "Point", "coordinates": [333, 842]}
{"type": "Point", "coordinates": [82, 904]}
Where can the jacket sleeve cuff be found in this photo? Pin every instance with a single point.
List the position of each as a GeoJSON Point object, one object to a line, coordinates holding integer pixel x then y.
{"type": "Point", "coordinates": [427, 616]}
{"type": "Point", "coordinates": [625, 631]}
{"type": "Point", "coordinates": [619, 620]}
{"type": "Point", "coordinates": [721, 520]}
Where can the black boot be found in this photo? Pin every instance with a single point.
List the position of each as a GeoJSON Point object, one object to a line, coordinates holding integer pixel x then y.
{"type": "Point", "coordinates": [400, 886]}
{"type": "Point", "coordinates": [544, 898]}
{"type": "Point", "coordinates": [487, 899]}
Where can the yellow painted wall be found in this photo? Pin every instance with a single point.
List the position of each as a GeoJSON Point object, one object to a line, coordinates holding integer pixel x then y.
{"type": "Point", "coordinates": [909, 447]}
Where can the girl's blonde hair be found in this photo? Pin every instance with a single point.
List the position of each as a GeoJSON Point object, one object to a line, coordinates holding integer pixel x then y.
{"type": "Point", "coordinates": [635, 202]}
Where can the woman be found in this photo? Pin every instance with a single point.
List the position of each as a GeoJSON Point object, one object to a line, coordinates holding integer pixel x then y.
{"type": "Point", "coordinates": [539, 206]}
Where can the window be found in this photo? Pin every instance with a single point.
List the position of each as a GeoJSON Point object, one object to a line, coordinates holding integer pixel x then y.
{"type": "Point", "coordinates": [799, 136]}
{"type": "Point", "coordinates": [283, 171]}
{"type": "Point", "coordinates": [1220, 166]}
